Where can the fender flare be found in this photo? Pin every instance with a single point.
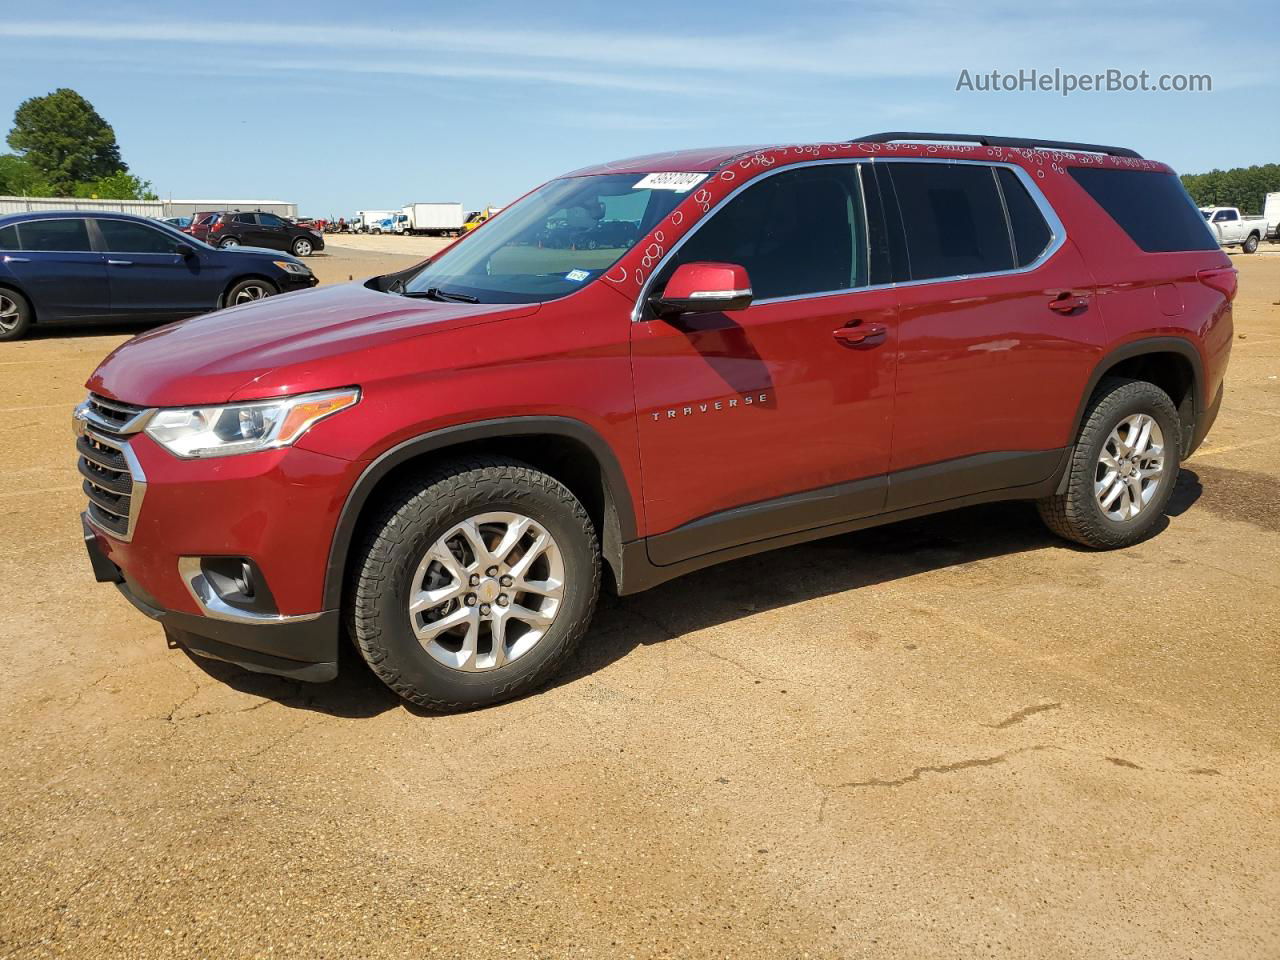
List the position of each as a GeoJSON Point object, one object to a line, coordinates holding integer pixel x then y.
{"type": "Point", "coordinates": [618, 506]}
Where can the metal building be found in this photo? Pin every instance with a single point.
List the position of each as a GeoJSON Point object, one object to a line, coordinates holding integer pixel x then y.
{"type": "Point", "coordinates": [144, 208]}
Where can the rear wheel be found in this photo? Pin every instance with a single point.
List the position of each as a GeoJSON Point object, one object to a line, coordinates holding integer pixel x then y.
{"type": "Point", "coordinates": [15, 315]}
{"type": "Point", "coordinates": [226, 243]}
{"type": "Point", "coordinates": [247, 291]}
{"type": "Point", "coordinates": [474, 584]}
{"type": "Point", "coordinates": [1251, 243]}
{"type": "Point", "coordinates": [1122, 470]}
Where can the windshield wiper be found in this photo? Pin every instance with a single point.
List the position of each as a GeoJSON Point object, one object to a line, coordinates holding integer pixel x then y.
{"type": "Point", "coordinates": [445, 296]}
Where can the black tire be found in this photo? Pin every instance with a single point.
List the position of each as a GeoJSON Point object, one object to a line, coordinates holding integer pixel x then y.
{"type": "Point", "coordinates": [16, 324]}
{"type": "Point", "coordinates": [410, 521]}
{"type": "Point", "coordinates": [302, 247]}
{"type": "Point", "coordinates": [268, 289]}
{"type": "Point", "coordinates": [1076, 513]}
{"type": "Point", "coordinates": [1251, 243]}
{"type": "Point", "coordinates": [226, 243]}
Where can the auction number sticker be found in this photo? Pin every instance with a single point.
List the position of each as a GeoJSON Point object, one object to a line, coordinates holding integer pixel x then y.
{"type": "Point", "coordinates": [678, 182]}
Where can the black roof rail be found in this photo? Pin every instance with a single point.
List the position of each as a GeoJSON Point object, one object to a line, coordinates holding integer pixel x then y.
{"type": "Point", "coordinates": [987, 140]}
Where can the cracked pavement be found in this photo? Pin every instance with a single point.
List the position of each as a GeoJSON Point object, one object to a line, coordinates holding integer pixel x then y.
{"type": "Point", "coordinates": [952, 737]}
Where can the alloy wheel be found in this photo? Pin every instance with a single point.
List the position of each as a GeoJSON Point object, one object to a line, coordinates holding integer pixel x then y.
{"type": "Point", "coordinates": [229, 242]}
{"type": "Point", "coordinates": [1130, 467]}
{"type": "Point", "coordinates": [250, 292]}
{"type": "Point", "coordinates": [302, 248]}
{"type": "Point", "coordinates": [9, 317]}
{"type": "Point", "coordinates": [487, 591]}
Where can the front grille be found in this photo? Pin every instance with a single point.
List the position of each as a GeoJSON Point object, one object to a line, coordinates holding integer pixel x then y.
{"type": "Point", "coordinates": [112, 479]}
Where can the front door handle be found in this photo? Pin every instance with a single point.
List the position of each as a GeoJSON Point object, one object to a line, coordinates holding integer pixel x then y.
{"type": "Point", "coordinates": [120, 263]}
{"type": "Point", "coordinates": [859, 334]}
{"type": "Point", "coordinates": [1067, 302]}
{"type": "Point", "coordinates": [8, 259]}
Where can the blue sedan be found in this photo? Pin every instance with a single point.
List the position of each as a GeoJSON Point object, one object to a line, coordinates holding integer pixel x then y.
{"type": "Point", "coordinates": [86, 267]}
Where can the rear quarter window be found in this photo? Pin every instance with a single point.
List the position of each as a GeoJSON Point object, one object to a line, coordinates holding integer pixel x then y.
{"type": "Point", "coordinates": [1152, 208]}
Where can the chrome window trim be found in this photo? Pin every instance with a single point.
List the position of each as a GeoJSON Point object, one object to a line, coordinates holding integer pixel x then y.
{"type": "Point", "coordinates": [215, 608]}
{"type": "Point", "coordinates": [1057, 231]}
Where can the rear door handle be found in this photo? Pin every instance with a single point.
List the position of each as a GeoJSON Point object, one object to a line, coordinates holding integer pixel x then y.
{"type": "Point", "coordinates": [1068, 302]}
{"type": "Point", "coordinates": [859, 334]}
{"type": "Point", "coordinates": [17, 259]}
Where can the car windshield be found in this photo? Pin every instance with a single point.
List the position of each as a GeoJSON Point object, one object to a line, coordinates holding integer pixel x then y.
{"type": "Point", "coordinates": [552, 243]}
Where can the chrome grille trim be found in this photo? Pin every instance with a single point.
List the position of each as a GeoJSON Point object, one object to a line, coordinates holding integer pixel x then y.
{"type": "Point", "coordinates": [113, 480]}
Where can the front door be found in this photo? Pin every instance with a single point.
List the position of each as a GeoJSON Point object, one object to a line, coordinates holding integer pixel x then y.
{"type": "Point", "coordinates": [148, 277]}
{"type": "Point", "coordinates": [761, 422]}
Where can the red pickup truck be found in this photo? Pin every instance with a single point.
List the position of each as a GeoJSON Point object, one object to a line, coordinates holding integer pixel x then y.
{"type": "Point", "coordinates": [445, 462]}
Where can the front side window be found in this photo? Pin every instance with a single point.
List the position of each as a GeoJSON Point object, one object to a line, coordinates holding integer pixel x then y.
{"type": "Point", "coordinates": [953, 219]}
{"type": "Point", "coordinates": [121, 236]}
{"type": "Point", "coordinates": [562, 236]}
{"type": "Point", "coordinates": [65, 236]}
{"type": "Point", "coordinates": [799, 232]}
{"type": "Point", "coordinates": [270, 220]}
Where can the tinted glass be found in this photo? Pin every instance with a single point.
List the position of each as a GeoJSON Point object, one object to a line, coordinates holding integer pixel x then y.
{"type": "Point", "coordinates": [9, 238]}
{"type": "Point", "coordinates": [270, 220]}
{"type": "Point", "coordinates": [1152, 208]}
{"type": "Point", "coordinates": [797, 232]}
{"type": "Point", "coordinates": [122, 236]}
{"type": "Point", "coordinates": [1031, 234]}
{"type": "Point", "coordinates": [1225, 215]}
{"type": "Point", "coordinates": [60, 235]}
{"type": "Point", "coordinates": [245, 218]}
{"type": "Point", "coordinates": [953, 219]}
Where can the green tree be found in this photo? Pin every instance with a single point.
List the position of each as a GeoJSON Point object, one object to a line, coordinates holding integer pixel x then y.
{"type": "Point", "coordinates": [66, 139]}
{"type": "Point", "coordinates": [1243, 187]}
{"type": "Point", "coordinates": [18, 178]}
{"type": "Point", "coordinates": [119, 186]}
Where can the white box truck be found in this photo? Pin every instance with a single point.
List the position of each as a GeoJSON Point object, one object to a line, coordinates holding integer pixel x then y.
{"type": "Point", "coordinates": [374, 221]}
{"type": "Point", "coordinates": [437, 219]}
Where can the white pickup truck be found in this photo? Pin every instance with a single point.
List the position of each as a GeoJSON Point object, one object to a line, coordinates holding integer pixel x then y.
{"type": "Point", "coordinates": [1235, 230]}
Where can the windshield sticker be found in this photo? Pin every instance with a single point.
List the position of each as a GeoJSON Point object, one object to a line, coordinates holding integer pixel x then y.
{"type": "Point", "coordinates": [678, 182]}
{"type": "Point", "coordinates": [577, 276]}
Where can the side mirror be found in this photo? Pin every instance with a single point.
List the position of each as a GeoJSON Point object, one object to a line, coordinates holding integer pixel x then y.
{"type": "Point", "coordinates": [184, 250]}
{"type": "Point", "coordinates": [704, 288]}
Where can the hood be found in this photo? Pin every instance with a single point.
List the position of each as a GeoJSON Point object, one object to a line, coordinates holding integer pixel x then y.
{"type": "Point", "coordinates": [276, 346]}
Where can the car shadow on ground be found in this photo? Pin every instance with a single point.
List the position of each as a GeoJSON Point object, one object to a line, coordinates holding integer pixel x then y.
{"type": "Point", "coordinates": [727, 592]}
{"type": "Point", "coordinates": [111, 328]}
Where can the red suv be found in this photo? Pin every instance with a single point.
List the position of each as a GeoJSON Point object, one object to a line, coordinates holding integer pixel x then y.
{"type": "Point", "coordinates": [804, 340]}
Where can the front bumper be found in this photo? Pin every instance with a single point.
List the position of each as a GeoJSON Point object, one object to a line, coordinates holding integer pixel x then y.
{"type": "Point", "coordinates": [303, 647]}
{"type": "Point", "coordinates": [291, 282]}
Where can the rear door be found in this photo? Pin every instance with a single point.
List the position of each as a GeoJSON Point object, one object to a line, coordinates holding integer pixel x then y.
{"type": "Point", "coordinates": [999, 331]}
{"type": "Point", "coordinates": [275, 233]}
{"type": "Point", "coordinates": [148, 277]}
{"type": "Point", "coordinates": [759, 422]}
{"type": "Point", "coordinates": [58, 269]}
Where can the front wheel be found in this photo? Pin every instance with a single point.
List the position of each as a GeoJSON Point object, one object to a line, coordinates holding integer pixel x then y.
{"type": "Point", "coordinates": [302, 247]}
{"type": "Point", "coordinates": [247, 291]}
{"type": "Point", "coordinates": [1122, 470]}
{"type": "Point", "coordinates": [1251, 243]}
{"type": "Point", "coordinates": [473, 584]}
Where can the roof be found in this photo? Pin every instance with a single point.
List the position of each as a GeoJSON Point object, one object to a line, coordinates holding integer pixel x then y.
{"type": "Point", "coordinates": [712, 159]}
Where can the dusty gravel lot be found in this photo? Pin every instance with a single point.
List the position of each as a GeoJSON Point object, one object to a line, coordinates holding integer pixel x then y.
{"type": "Point", "coordinates": [954, 737]}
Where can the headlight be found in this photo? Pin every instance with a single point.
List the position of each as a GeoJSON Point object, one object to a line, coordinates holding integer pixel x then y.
{"type": "Point", "coordinates": [244, 427]}
{"type": "Point", "coordinates": [289, 267]}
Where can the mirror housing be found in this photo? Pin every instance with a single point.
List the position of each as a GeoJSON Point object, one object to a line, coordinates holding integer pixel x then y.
{"type": "Point", "coordinates": [184, 250]}
{"type": "Point", "coordinates": [704, 288]}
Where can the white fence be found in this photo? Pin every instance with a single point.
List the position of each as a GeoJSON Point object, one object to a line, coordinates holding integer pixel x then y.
{"type": "Point", "coordinates": [143, 208]}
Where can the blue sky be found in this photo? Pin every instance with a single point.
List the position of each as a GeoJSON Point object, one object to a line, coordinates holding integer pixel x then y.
{"type": "Point", "coordinates": [341, 106]}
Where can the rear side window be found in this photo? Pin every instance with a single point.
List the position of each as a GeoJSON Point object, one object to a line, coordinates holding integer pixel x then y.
{"type": "Point", "coordinates": [55, 235]}
{"type": "Point", "coordinates": [1152, 208]}
{"type": "Point", "coordinates": [245, 218]}
{"type": "Point", "coordinates": [953, 219]}
{"type": "Point", "coordinates": [122, 236]}
{"type": "Point", "coordinates": [797, 232]}
{"type": "Point", "coordinates": [1031, 234]}
{"type": "Point", "coordinates": [9, 238]}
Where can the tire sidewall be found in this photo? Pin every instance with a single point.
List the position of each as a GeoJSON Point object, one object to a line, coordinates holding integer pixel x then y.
{"type": "Point", "coordinates": [1147, 402]}
{"type": "Point", "coordinates": [406, 655]}
{"type": "Point", "coordinates": [23, 326]}
{"type": "Point", "coordinates": [235, 290]}
{"type": "Point", "coordinates": [298, 244]}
